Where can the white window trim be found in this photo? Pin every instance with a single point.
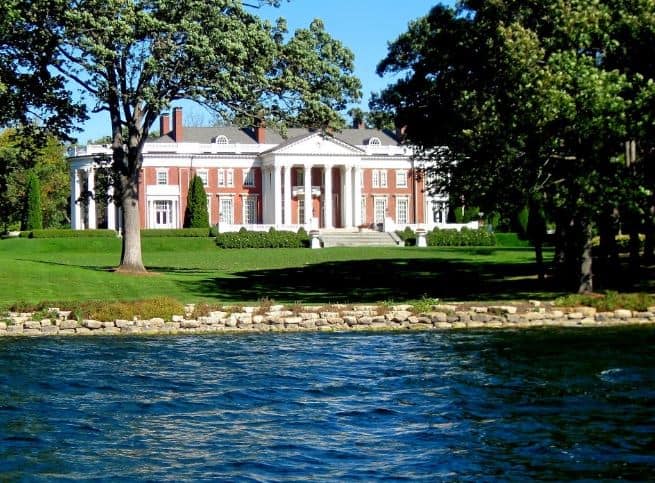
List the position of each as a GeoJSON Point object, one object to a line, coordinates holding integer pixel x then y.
{"type": "Point", "coordinates": [399, 173]}
{"type": "Point", "coordinates": [245, 199]}
{"type": "Point", "coordinates": [375, 181]}
{"type": "Point", "coordinates": [221, 139]}
{"type": "Point", "coordinates": [246, 173]}
{"type": "Point", "coordinates": [200, 173]}
{"type": "Point", "coordinates": [406, 200]}
{"type": "Point", "coordinates": [221, 178]}
{"type": "Point", "coordinates": [220, 208]}
{"type": "Point", "coordinates": [384, 179]}
{"type": "Point", "coordinates": [161, 171]}
{"type": "Point", "coordinates": [229, 178]}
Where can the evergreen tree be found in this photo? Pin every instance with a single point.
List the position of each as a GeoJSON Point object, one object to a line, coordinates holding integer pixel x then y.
{"type": "Point", "coordinates": [196, 215]}
{"type": "Point", "coordinates": [33, 217]}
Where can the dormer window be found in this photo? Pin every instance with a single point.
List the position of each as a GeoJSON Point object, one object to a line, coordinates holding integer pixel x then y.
{"type": "Point", "coordinates": [221, 139]}
{"type": "Point", "coordinates": [374, 142]}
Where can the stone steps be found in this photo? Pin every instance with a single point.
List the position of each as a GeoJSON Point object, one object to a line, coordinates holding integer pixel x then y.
{"type": "Point", "coordinates": [357, 239]}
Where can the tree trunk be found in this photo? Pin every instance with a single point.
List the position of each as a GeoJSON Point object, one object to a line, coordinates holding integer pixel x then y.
{"type": "Point", "coordinates": [586, 275]}
{"type": "Point", "coordinates": [131, 260]}
{"type": "Point", "coordinates": [539, 259]}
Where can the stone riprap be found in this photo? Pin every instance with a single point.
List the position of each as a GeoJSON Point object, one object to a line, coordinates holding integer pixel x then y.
{"type": "Point", "coordinates": [335, 318]}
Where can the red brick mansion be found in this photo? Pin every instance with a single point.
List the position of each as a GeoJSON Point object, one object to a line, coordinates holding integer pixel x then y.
{"type": "Point", "coordinates": [255, 178]}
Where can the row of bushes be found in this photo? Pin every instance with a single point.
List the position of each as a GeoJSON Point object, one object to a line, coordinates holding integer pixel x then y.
{"type": "Point", "coordinates": [147, 233]}
{"type": "Point", "coordinates": [68, 233]}
{"type": "Point", "coordinates": [451, 238]}
{"type": "Point", "coordinates": [263, 239]}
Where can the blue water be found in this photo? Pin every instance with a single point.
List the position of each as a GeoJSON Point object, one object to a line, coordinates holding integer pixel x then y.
{"type": "Point", "coordinates": [554, 405]}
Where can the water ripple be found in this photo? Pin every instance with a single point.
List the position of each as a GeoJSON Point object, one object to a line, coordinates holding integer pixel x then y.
{"type": "Point", "coordinates": [353, 407]}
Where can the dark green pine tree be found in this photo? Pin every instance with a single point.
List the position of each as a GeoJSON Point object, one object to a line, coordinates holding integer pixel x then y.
{"type": "Point", "coordinates": [33, 215]}
{"type": "Point", "coordinates": [196, 215]}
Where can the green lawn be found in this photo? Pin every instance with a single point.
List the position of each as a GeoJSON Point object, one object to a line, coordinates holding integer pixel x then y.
{"type": "Point", "coordinates": [193, 269]}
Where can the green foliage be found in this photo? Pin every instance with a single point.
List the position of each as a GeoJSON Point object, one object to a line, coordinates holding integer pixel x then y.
{"type": "Point", "coordinates": [62, 233]}
{"type": "Point", "coordinates": [179, 232]}
{"type": "Point", "coordinates": [163, 307]}
{"type": "Point", "coordinates": [510, 240]}
{"type": "Point", "coordinates": [467, 214]}
{"type": "Point", "coordinates": [259, 239]}
{"type": "Point", "coordinates": [609, 301]}
{"type": "Point", "coordinates": [33, 215]}
{"type": "Point", "coordinates": [25, 152]}
{"type": "Point", "coordinates": [522, 219]}
{"type": "Point", "coordinates": [460, 238]}
{"type": "Point", "coordinates": [451, 238]}
{"type": "Point", "coordinates": [407, 235]}
{"type": "Point", "coordinates": [196, 214]}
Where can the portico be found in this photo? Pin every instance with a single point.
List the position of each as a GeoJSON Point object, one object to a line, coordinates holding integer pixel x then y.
{"type": "Point", "coordinates": [321, 190]}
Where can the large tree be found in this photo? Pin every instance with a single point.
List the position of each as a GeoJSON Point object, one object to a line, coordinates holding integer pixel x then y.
{"type": "Point", "coordinates": [31, 94]}
{"type": "Point", "coordinates": [530, 101]}
{"type": "Point", "coordinates": [136, 57]}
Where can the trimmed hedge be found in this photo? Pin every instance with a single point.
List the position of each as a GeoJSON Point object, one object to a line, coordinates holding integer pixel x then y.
{"type": "Point", "coordinates": [462, 238]}
{"type": "Point", "coordinates": [67, 233]}
{"type": "Point", "coordinates": [179, 232]}
{"type": "Point", "coordinates": [262, 239]}
{"type": "Point", "coordinates": [451, 238]}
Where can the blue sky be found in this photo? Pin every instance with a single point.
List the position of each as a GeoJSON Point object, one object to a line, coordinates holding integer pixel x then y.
{"type": "Point", "coordinates": [364, 26]}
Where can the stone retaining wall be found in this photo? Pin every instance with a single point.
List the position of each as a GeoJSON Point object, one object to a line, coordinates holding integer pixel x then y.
{"type": "Point", "coordinates": [354, 318]}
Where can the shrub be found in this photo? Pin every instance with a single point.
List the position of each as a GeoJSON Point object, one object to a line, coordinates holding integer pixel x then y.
{"type": "Point", "coordinates": [259, 239]}
{"type": "Point", "coordinates": [408, 236]}
{"type": "Point", "coordinates": [510, 240]}
{"type": "Point", "coordinates": [196, 215]}
{"type": "Point", "coordinates": [609, 301]}
{"type": "Point", "coordinates": [33, 213]}
{"type": "Point", "coordinates": [462, 238]}
{"type": "Point", "coordinates": [164, 307]}
{"type": "Point", "coordinates": [179, 232]}
{"type": "Point", "coordinates": [67, 233]}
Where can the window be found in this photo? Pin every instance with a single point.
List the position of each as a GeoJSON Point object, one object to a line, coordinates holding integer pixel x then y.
{"type": "Point", "coordinates": [162, 176]}
{"type": "Point", "coordinates": [300, 177]}
{"type": "Point", "coordinates": [250, 210]}
{"type": "Point", "coordinates": [301, 211]}
{"type": "Point", "coordinates": [379, 178]}
{"type": "Point", "coordinates": [227, 212]}
{"type": "Point", "coordinates": [249, 178]}
{"type": "Point", "coordinates": [374, 142]}
{"type": "Point", "coordinates": [204, 176]}
{"type": "Point", "coordinates": [401, 179]}
{"type": "Point", "coordinates": [380, 209]}
{"type": "Point", "coordinates": [402, 211]}
{"type": "Point", "coordinates": [383, 178]}
{"type": "Point", "coordinates": [226, 178]}
{"type": "Point", "coordinates": [221, 139]}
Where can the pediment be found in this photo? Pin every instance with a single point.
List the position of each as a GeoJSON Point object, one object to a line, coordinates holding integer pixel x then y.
{"type": "Point", "coordinates": [316, 144]}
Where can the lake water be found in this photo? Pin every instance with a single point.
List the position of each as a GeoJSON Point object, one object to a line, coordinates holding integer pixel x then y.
{"type": "Point", "coordinates": [558, 405]}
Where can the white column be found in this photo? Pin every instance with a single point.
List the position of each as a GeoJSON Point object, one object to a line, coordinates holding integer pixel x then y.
{"type": "Point", "coordinates": [277, 186]}
{"type": "Point", "coordinates": [287, 195]}
{"type": "Point", "coordinates": [327, 197]}
{"type": "Point", "coordinates": [308, 194]}
{"type": "Point", "coordinates": [111, 209]}
{"type": "Point", "coordinates": [91, 209]}
{"type": "Point", "coordinates": [266, 196]}
{"type": "Point", "coordinates": [347, 197]}
{"type": "Point", "coordinates": [75, 195]}
{"type": "Point", "coordinates": [357, 196]}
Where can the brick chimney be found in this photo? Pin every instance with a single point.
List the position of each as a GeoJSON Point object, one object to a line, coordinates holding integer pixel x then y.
{"type": "Point", "coordinates": [164, 124]}
{"type": "Point", "coordinates": [401, 131]}
{"type": "Point", "coordinates": [358, 123]}
{"type": "Point", "coordinates": [178, 128]}
{"type": "Point", "coordinates": [260, 131]}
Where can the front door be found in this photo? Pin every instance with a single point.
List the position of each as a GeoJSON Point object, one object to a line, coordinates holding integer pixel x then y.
{"type": "Point", "coordinates": [163, 214]}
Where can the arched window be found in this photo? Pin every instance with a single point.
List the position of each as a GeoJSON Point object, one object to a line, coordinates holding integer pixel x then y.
{"type": "Point", "coordinates": [221, 139]}
{"type": "Point", "coordinates": [374, 142]}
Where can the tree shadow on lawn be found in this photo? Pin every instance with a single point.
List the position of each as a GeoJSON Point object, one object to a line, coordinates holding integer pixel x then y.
{"type": "Point", "coordinates": [378, 280]}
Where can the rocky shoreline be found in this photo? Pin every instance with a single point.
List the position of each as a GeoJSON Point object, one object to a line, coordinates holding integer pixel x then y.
{"type": "Point", "coordinates": [278, 318]}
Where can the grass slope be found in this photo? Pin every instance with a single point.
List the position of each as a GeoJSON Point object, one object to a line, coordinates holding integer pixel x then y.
{"type": "Point", "coordinates": [193, 269]}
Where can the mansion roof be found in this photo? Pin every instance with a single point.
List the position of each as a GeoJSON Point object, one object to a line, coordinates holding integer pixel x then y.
{"type": "Point", "coordinates": [236, 135]}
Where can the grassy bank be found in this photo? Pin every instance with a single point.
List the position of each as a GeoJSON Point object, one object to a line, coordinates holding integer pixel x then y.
{"type": "Point", "coordinates": [193, 269]}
